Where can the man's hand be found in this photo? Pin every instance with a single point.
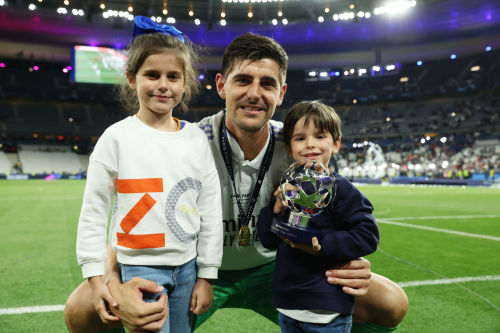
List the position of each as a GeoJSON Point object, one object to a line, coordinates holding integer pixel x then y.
{"type": "Point", "coordinates": [101, 296]}
{"type": "Point", "coordinates": [135, 314]}
{"type": "Point", "coordinates": [354, 276]}
{"type": "Point", "coordinates": [314, 248]}
{"type": "Point", "coordinates": [202, 296]}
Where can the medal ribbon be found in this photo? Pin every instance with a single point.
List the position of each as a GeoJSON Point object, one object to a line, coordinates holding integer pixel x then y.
{"type": "Point", "coordinates": [266, 163]}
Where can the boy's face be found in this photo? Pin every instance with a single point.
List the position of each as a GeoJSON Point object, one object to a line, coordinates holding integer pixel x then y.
{"type": "Point", "coordinates": [309, 143]}
{"type": "Point", "coordinates": [252, 91]}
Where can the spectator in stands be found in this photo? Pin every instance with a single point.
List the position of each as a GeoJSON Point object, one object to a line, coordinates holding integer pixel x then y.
{"type": "Point", "coordinates": [173, 234]}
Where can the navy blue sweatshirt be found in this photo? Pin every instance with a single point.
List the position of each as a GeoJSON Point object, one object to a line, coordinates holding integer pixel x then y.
{"type": "Point", "coordinates": [348, 231]}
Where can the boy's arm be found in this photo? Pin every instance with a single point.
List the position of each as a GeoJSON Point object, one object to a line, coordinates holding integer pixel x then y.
{"type": "Point", "coordinates": [356, 233]}
{"type": "Point", "coordinates": [268, 239]}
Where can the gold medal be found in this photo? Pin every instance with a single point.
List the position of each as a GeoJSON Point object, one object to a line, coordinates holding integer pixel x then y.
{"type": "Point", "coordinates": [244, 236]}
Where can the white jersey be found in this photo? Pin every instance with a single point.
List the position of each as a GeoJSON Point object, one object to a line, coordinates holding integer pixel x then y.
{"type": "Point", "coordinates": [246, 172]}
{"type": "Point", "coordinates": [167, 208]}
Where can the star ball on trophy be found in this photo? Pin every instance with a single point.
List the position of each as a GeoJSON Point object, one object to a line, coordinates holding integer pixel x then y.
{"type": "Point", "coordinates": [307, 188]}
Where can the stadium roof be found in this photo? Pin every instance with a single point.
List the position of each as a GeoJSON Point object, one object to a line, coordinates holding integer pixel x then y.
{"type": "Point", "coordinates": [423, 22]}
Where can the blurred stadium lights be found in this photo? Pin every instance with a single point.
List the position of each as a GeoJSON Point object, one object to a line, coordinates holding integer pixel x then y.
{"type": "Point", "coordinates": [184, 11]}
{"type": "Point", "coordinates": [475, 68]}
{"type": "Point", "coordinates": [453, 56]}
{"type": "Point", "coordinates": [419, 63]}
{"type": "Point", "coordinates": [487, 48]}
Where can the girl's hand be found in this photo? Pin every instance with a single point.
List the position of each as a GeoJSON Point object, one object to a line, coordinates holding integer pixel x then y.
{"type": "Point", "coordinates": [101, 297]}
{"type": "Point", "coordinates": [202, 296]}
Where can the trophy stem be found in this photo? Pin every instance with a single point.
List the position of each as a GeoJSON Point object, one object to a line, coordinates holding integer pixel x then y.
{"type": "Point", "coordinates": [298, 220]}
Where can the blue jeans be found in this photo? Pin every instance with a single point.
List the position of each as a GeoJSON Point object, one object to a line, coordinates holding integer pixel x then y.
{"type": "Point", "coordinates": [178, 282]}
{"type": "Point", "coordinates": [341, 324]}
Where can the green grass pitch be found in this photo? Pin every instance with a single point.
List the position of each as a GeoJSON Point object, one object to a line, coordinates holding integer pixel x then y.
{"type": "Point", "coordinates": [427, 233]}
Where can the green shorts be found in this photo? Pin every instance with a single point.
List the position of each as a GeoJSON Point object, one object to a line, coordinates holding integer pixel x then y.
{"type": "Point", "coordinates": [252, 289]}
{"type": "Point", "coordinates": [248, 289]}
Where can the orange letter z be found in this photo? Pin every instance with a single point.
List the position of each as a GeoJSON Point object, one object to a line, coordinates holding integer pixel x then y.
{"type": "Point", "coordinates": [144, 205]}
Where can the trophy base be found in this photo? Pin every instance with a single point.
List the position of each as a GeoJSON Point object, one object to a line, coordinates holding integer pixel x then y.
{"type": "Point", "coordinates": [295, 233]}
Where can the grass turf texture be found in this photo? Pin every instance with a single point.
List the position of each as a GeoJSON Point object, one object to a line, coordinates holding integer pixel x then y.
{"type": "Point", "coordinates": [38, 266]}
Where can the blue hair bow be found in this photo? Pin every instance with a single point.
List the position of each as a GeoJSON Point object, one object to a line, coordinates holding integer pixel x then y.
{"type": "Point", "coordinates": [144, 25]}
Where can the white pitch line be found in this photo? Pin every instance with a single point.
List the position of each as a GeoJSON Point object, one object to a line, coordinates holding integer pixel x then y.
{"type": "Point", "coordinates": [449, 281]}
{"type": "Point", "coordinates": [442, 217]}
{"type": "Point", "coordinates": [32, 309]}
{"type": "Point", "coordinates": [454, 232]}
{"type": "Point", "coordinates": [54, 308]}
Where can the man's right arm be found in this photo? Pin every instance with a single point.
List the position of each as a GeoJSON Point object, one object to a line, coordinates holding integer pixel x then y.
{"type": "Point", "coordinates": [80, 312]}
{"type": "Point", "coordinates": [135, 314]}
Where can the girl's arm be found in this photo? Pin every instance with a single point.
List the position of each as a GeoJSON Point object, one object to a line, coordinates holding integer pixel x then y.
{"type": "Point", "coordinates": [210, 237]}
{"type": "Point", "coordinates": [91, 243]}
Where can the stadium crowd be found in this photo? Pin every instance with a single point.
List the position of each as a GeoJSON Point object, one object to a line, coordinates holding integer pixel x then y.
{"type": "Point", "coordinates": [433, 124]}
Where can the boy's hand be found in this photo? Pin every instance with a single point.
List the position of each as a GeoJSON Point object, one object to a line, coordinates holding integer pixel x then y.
{"type": "Point", "coordinates": [314, 248]}
{"type": "Point", "coordinates": [201, 299]}
{"type": "Point", "coordinates": [280, 205]}
{"type": "Point", "coordinates": [102, 297]}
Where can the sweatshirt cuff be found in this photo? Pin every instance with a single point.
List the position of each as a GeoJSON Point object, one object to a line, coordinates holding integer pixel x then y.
{"type": "Point", "coordinates": [93, 269]}
{"type": "Point", "coordinates": [208, 272]}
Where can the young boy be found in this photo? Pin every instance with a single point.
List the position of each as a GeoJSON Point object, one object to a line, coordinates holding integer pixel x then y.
{"type": "Point", "coordinates": [304, 299]}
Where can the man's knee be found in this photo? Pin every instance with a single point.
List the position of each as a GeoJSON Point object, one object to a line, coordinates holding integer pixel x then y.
{"type": "Point", "coordinates": [79, 314]}
{"type": "Point", "coordinates": [385, 304]}
{"type": "Point", "coordinates": [395, 305]}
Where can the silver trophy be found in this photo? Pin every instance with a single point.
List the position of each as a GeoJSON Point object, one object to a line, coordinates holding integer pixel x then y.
{"type": "Point", "coordinates": [307, 188]}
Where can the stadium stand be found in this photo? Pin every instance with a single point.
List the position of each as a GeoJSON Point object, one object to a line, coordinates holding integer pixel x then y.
{"type": "Point", "coordinates": [5, 166]}
{"type": "Point", "coordinates": [35, 161]}
{"type": "Point", "coordinates": [439, 120]}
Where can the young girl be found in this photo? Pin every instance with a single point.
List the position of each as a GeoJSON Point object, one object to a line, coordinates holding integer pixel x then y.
{"type": "Point", "coordinates": [304, 299]}
{"type": "Point", "coordinates": [166, 222]}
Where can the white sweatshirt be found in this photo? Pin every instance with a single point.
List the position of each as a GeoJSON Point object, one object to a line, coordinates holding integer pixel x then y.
{"type": "Point", "coordinates": [168, 202]}
{"type": "Point", "coordinates": [246, 172]}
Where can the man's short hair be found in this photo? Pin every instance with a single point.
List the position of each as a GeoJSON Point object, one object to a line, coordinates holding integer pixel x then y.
{"type": "Point", "coordinates": [254, 47]}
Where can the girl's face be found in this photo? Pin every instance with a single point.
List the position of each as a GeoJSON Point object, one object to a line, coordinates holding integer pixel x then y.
{"type": "Point", "coordinates": [309, 143]}
{"type": "Point", "coordinates": [159, 83]}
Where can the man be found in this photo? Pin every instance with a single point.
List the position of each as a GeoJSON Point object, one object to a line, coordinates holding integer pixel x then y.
{"type": "Point", "coordinates": [250, 157]}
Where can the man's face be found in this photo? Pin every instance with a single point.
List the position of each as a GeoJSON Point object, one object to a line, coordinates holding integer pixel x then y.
{"type": "Point", "coordinates": [252, 91]}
